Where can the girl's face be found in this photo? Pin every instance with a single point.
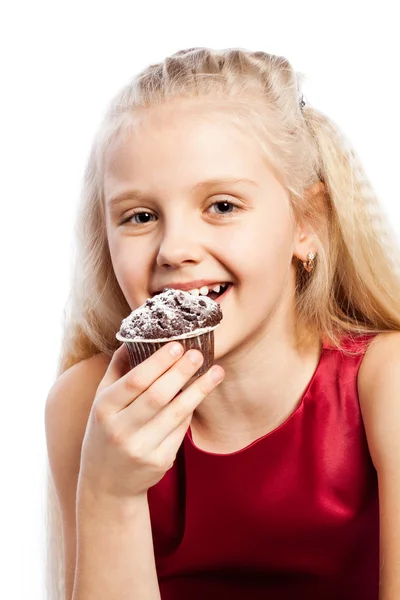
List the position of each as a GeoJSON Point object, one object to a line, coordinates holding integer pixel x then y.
{"type": "Point", "coordinates": [198, 204]}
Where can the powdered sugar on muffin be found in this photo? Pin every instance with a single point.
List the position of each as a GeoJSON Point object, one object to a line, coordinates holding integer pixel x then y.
{"type": "Point", "coordinates": [170, 314]}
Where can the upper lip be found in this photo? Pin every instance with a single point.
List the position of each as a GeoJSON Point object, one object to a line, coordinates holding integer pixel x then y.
{"type": "Point", "coordinates": [191, 285]}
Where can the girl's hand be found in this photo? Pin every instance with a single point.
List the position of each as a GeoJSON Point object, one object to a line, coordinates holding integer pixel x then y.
{"type": "Point", "coordinates": [139, 419]}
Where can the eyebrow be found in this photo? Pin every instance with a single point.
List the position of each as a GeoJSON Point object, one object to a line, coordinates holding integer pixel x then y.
{"type": "Point", "coordinates": [201, 186]}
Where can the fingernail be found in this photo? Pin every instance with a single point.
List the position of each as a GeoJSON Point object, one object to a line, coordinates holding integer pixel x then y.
{"type": "Point", "coordinates": [216, 374]}
{"type": "Point", "coordinates": [176, 350]}
{"type": "Point", "coordinates": [195, 357]}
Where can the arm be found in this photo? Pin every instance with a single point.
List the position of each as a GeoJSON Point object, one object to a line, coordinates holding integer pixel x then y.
{"type": "Point", "coordinates": [112, 549]}
{"type": "Point", "coordinates": [379, 393]}
{"type": "Point", "coordinates": [115, 555]}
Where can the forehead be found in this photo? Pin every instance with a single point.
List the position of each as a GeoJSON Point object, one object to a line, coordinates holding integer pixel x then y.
{"type": "Point", "coordinates": [178, 147]}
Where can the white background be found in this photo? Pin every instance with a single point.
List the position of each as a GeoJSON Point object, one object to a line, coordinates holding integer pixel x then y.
{"type": "Point", "coordinates": [60, 65]}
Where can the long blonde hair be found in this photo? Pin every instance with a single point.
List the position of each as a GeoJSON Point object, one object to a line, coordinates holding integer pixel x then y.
{"type": "Point", "coordinates": [355, 286]}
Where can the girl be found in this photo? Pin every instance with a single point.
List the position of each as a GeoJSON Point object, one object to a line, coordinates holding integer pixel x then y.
{"type": "Point", "coordinates": [283, 480]}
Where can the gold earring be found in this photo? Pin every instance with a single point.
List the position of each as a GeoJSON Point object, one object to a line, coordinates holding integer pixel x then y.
{"type": "Point", "coordinates": [309, 264]}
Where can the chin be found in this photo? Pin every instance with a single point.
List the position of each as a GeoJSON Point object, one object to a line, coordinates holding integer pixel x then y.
{"type": "Point", "coordinates": [222, 346]}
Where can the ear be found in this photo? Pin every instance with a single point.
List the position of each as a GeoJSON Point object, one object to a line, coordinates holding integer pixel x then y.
{"type": "Point", "coordinates": [304, 241]}
{"type": "Point", "coordinates": [313, 220]}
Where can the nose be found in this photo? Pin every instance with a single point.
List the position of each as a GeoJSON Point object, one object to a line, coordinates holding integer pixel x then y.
{"type": "Point", "coordinates": [179, 246]}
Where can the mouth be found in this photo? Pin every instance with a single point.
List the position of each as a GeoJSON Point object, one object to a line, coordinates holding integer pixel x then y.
{"type": "Point", "coordinates": [216, 293]}
{"type": "Point", "coordinates": [219, 297]}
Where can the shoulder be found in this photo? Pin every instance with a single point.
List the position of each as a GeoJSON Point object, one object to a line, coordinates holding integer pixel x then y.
{"type": "Point", "coordinates": [89, 367]}
{"type": "Point", "coordinates": [379, 395]}
{"type": "Point", "coordinates": [74, 390]}
{"type": "Point", "coordinates": [379, 366]}
{"type": "Point", "coordinates": [67, 410]}
{"type": "Point", "coordinates": [68, 406]}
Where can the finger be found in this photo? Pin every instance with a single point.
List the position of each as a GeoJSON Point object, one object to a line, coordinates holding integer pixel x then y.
{"type": "Point", "coordinates": [166, 453]}
{"type": "Point", "coordinates": [125, 389]}
{"type": "Point", "coordinates": [163, 390]}
{"type": "Point", "coordinates": [156, 431]}
{"type": "Point", "coordinates": [118, 366]}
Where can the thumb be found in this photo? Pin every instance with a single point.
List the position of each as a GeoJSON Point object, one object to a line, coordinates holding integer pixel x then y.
{"type": "Point", "coordinates": [117, 368]}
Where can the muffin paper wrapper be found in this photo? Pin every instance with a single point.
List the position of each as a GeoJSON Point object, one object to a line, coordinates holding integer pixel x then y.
{"type": "Point", "coordinates": [140, 350]}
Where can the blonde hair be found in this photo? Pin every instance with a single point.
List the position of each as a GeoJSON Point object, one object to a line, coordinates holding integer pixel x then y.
{"type": "Point", "coordinates": [355, 286]}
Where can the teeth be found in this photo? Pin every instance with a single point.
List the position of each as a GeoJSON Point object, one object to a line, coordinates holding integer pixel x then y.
{"type": "Point", "coordinates": [204, 290]}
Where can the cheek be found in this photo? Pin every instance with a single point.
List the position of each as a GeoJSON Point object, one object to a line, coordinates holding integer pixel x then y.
{"type": "Point", "coordinates": [263, 249]}
{"type": "Point", "coordinates": [130, 268]}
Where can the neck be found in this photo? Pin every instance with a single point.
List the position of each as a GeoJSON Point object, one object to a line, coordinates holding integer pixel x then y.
{"type": "Point", "coordinates": [264, 384]}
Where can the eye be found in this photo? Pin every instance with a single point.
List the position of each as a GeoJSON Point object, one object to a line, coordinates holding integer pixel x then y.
{"type": "Point", "coordinates": [224, 207]}
{"type": "Point", "coordinates": [143, 217]}
{"type": "Point", "coordinates": [139, 218]}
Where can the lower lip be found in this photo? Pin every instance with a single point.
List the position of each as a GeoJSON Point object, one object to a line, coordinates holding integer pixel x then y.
{"type": "Point", "coordinates": [222, 296]}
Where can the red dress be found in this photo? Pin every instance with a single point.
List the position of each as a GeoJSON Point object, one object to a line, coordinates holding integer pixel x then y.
{"type": "Point", "coordinates": [293, 516]}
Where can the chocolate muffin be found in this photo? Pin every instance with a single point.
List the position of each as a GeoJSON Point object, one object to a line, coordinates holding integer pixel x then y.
{"type": "Point", "coordinates": [172, 315]}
